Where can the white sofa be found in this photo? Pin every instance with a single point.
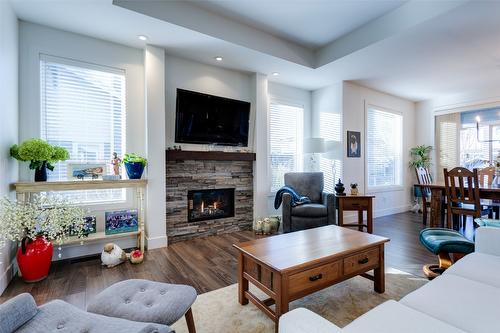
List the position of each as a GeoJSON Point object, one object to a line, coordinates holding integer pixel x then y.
{"type": "Point", "coordinates": [466, 298]}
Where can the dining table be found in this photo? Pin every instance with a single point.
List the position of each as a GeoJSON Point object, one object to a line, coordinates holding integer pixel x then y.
{"type": "Point", "coordinates": [437, 190]}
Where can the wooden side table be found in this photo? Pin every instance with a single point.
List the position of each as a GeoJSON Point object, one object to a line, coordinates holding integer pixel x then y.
{"type": "Point", "coordinates": [358, 203]}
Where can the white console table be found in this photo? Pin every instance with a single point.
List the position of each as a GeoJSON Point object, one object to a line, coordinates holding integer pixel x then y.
{"type": "Point", "coordinates": [24, 191]}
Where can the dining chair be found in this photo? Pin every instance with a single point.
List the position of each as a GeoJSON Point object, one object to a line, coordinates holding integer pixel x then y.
{"type": "Point", "coordinates": [424, 177]}
{"type": "Point", "coordinates": [462, 194]}
{"type": "Point", "coordinates": [486, 176]}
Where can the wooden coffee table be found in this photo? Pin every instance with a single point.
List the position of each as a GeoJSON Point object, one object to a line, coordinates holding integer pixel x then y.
{"type": "Point", "coordinates": [290, 266]}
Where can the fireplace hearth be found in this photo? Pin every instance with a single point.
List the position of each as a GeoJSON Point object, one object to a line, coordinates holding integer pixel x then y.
{"type": "Point", "coordinates": [210, 204]}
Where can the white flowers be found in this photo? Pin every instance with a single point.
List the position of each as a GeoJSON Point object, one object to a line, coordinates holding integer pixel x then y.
{"type": "Point", "coordinates": [52, 217]}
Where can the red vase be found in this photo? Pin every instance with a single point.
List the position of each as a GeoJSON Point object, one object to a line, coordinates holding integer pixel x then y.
{"type": "Point", "coordinates": [34, 263]}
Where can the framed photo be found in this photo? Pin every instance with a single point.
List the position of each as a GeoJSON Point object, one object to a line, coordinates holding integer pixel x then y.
{"type": "Point", "coordinates": [121, 221]}
{"type": "Point", "coordinates": [90, 226]}
{"type": "Point", "coordinates": [86, 170]}
{"type": "Point", "coordinates": [353, 144]}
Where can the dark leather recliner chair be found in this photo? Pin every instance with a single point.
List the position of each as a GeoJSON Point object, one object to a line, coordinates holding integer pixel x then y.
{"type": "Point", "coordinates": [321, 210]}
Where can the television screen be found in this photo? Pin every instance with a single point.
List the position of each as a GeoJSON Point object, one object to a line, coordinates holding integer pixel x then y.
{"type": "Point", "coordinates": [208, 119]}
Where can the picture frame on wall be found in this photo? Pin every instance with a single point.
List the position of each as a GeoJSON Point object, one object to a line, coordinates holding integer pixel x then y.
{"type": "Point", "coordinates": [353, 144]}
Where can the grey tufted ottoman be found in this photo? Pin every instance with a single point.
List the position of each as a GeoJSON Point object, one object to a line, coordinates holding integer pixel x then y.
{"type": "Point", "coordinates": [146, 301]}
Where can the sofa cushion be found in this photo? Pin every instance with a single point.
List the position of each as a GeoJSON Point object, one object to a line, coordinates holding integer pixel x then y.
{"type": "Point", "coordinates": [394, 317]}
{"type": "Point", "coordinates": [144, 300]}
{"type": "Point", "coordinates": [17, 311]}
{"type": "Point", "coordinates": [479, 267]}
{"type": "Point", "coordinates": [59, 316]}
{"type": "Point", "coordinates": [460, 302]}
{"type": "Point", "coordinates": [309, 210]}
{"type": "Point", "coordinates": [302, 320]}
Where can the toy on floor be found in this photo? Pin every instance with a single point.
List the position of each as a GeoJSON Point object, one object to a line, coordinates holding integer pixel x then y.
{"type": "Point", "coordinates": [136, 257]}
{"type": "Point", "coordinates": [112, 255]}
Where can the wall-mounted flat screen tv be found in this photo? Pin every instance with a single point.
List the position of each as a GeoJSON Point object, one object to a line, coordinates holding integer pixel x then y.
{"type": "Point", "coordinates": [208, 119]}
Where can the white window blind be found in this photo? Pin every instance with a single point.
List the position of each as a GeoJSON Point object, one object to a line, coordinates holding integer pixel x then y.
{"type": "Point", "coordinates": [83, 110]}
{"type": "Point", "coordinates": [286, 135]}
{"type": "Point", "coordinates": [384, 148]}
{"type": "Point", "coordinates": [447, 142]}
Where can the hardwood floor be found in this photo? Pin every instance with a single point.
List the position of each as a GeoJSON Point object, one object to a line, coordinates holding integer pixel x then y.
{"type": "Point", "coordinates": [207, 264]}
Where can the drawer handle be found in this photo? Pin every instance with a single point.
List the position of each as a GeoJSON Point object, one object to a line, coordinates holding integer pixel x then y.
{"type": "Point", "coordinates": [363, 261]}
{"type": "Point", "coordinates": [315, 277]}
{"type": "Point", "coordinates": [355, 204]}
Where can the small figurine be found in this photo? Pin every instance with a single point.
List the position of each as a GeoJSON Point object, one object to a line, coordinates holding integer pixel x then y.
{"type": "Point", "coordinates": [266, 226]}
{"type": "Point", "coordinates": [116, 161]}
{"type": "Point", "coordinates": [258, 227]}
{"type": "Point", "coordinates": [354, 189]}
{"type": "Point", "coordinates": [136, 257]}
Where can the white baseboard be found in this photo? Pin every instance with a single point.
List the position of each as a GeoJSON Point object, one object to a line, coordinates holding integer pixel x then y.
{"type": "Point", "coordinates": [7, 276]}
{"type": "Point", "coordinates": [156, 242]}
{"type": "Point", "coordinates": [351, 217]}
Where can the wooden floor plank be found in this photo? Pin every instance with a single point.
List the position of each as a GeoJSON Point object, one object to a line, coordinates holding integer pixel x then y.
{"type": "Point", "coordinates": [206, 263]}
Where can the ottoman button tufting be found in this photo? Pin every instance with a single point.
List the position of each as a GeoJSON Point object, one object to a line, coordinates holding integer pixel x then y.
{"type": "Point", "coordinates": [162, 292]}
{"type": "Point", "coordinates": [143, 290]}
{"type": "Point", "coordinates": [127, 301]}
{"type": "Point", "coordinates": [60, 326]}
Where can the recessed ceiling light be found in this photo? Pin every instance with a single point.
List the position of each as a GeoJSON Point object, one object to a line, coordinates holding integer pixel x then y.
{"type": "Point", "coordinates": [276, 73]}
{"type": "Point", "coordinates": [218, 58]}
{"type": "Point", "coordinates": [142, 37]}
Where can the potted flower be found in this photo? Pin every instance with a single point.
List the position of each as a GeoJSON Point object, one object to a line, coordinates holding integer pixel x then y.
{"type": "Point", "coordinates": [40, 154]}
{"type": "Point", "coordinates": [134, 165]}
{"type": "Point", "coordinates": [354, 189]}
{"type": "Point", "coordinates": [35, 226]}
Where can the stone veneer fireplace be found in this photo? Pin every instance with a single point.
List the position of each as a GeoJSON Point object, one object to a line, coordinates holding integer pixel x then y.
{"type": "Point", "coordinates": [221, 182]}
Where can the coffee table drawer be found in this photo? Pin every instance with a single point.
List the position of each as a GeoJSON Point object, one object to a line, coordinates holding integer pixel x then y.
{"type": "Point", "coordinates": [360, 261]}
{"type": "Point", "coordinates": [314, 277]}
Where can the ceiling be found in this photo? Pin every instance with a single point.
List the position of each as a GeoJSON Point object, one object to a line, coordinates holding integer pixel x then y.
{"type": "Point", "coordinates": [417, 49]}
{"type": "Point", "coordinates": [311, 23]}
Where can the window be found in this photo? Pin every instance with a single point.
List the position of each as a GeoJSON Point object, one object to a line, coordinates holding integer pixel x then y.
{"type": "Point", "coordinates": [286, 134]}
{"type": "Point", "coordinates": [83, 110]}
{"type": "Point", "coordinates": [384, 148]}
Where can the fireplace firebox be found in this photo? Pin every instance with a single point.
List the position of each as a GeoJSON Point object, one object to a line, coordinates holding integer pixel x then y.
{"type": "Point", "coordinates": [210, 204]}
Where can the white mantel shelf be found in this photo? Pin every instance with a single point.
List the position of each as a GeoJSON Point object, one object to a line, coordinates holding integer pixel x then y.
{"type": "Point", "coordinates": [34, 187]}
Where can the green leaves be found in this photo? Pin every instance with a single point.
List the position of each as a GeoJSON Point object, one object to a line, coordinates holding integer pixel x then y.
{"type": "Point", "coordinates": [134, 158]}
{"type": "Point", "coordinates": [421, 156]}
{"type": "Point", "coordinates": [38, 151]}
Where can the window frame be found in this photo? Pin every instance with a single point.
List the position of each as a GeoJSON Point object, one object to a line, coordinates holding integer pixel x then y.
{"type": "Point", "coordinates": [383, 188]}
{"type": "Point", "coordinates": [290, 103]}
{"type": "Point", "coordinates": [96, 205]}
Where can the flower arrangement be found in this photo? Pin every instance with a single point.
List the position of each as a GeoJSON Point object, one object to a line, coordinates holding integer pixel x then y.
{"type": "Point", "coordinates": [39, 153]}
{"type": "Point", "coordinates": [51, 217]}
{"type": "Point", "coordinates": [134, 158]}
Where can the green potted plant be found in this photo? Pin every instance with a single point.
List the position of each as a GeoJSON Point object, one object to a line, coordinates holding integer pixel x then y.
{"type": "Point", "coordinates": [40, 154]}
{"type": "Point", "coordinates": [35, 225]}
{"type": "Point", "coordinates": [134, 165]}
{"type": "Point", "coordinates": [421, 156]}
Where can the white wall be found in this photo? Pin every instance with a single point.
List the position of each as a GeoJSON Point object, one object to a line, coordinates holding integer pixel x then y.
{"type": "Point", "coordinates": [35, 40]}
{"type": "Point", "coordinates": [9, 124]}
{"type": "Point", "coordinates": [213, 80]}
{"type": "Point", "coordinates": [154, 63]}
{"type": "Point", "coordinates": [355, 98]}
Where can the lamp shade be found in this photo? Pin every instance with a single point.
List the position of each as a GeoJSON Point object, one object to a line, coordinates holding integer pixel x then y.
{"type": "Point", "coordinates": [314, 145]}
{"type": "Point", "coordinates": [333, 150]}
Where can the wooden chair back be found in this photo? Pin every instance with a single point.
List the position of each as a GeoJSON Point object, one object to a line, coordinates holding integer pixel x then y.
{"type": "Point", "coordinates": [486, 176]}
{"type": "Point", "coordinates": [424, 177]}
{"type": "Point", "coordinates": [462, 188]}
